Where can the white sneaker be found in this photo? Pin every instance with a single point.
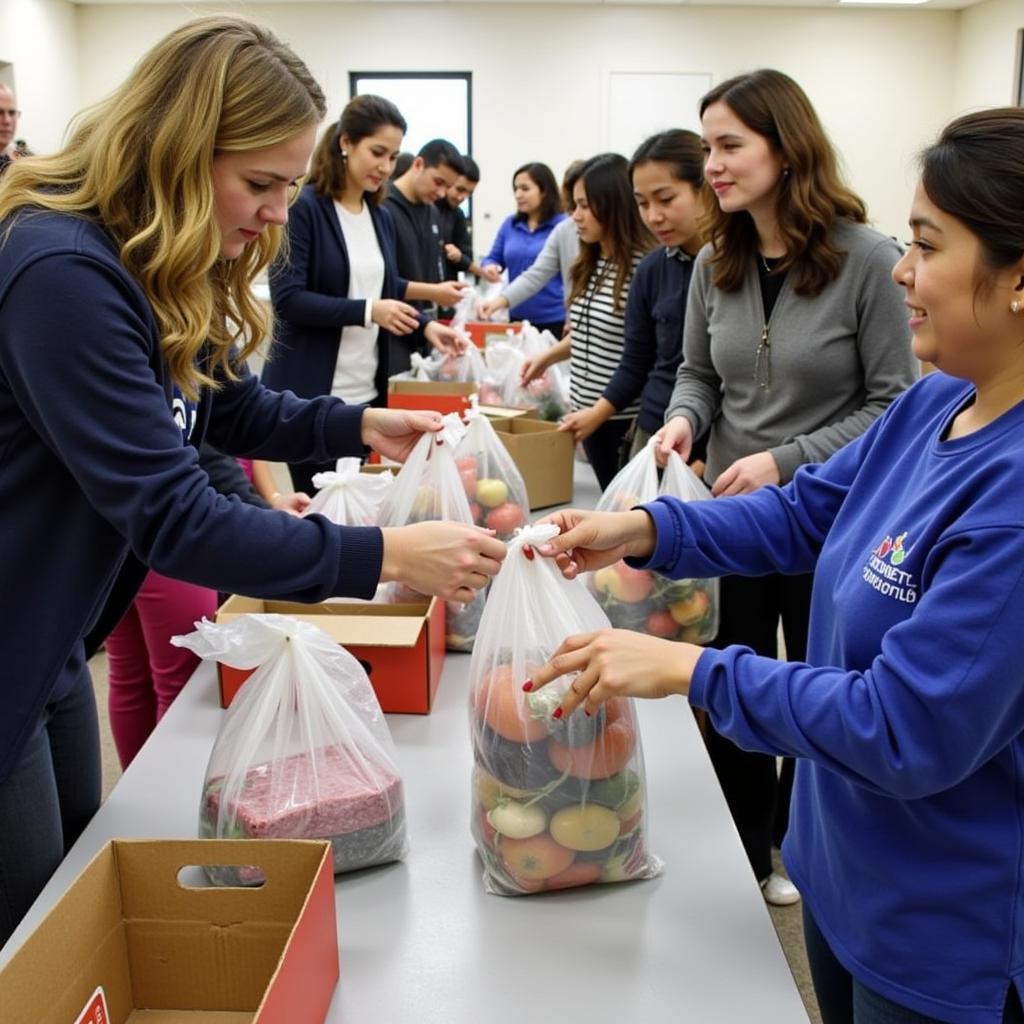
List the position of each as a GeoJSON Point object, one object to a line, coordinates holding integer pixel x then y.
{"type": "Point", "coordinates": [779, 891]}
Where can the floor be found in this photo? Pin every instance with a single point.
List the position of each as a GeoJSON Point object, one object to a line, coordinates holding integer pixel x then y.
{"type": "Point", "coordinates": [786, 919]}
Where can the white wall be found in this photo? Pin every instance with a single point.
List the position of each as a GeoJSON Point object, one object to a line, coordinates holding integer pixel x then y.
{"type": "Point", "coordinates": [38, 38]}
{"type": "Point", "coordinates": [986, 53]}
{"type": "Point", "coordinates": [880, 80]}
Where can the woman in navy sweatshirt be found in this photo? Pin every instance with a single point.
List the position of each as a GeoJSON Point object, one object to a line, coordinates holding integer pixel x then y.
{"type": "Point", "coordinates": [907, 717]}
{"type": "Point", "coordinates": [126, 316]}
{"type": "Point", "coordinates": [667, 172]}
{"type": "Point", "coordinates": [342, 327]}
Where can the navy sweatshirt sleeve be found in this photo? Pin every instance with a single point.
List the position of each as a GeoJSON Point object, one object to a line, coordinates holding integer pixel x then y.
{"type": "Point", "coordinates": [98, 404]}
{"type": "Point", "coordinates": [639, 343]}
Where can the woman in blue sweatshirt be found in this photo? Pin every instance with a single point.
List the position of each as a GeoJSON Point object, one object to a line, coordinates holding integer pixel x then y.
{"type": "Point", "coordinates": [342, 327]}
{"type": "Point", "coordinates": [520, 240]}
{"type": "Point", "coordinates": [126, 316]}
{"type": "Point", "coordinates": [907, 716]}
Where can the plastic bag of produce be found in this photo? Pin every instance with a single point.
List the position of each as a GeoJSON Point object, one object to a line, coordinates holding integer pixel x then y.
{"type": "Point", "coordinates": [493, 484]}
{"type": "Point", "coordinates": [642, 600]}
{"type": "Point", "coordinates": [429, 488]}
{"type": "Point", "coordinates": [348, 497]}
{"type": "Point", "coordinates": [304, 751]}
{"type": "Point", "coordinates": [556, 803]}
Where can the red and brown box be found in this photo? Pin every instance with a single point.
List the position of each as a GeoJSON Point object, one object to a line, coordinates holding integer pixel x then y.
{"type": "Point", "coordinates": [442, 396]}
{"type": "Point", "coordinates": [401, 646]}
{"type": "Point", "coordinates": [160, 947]}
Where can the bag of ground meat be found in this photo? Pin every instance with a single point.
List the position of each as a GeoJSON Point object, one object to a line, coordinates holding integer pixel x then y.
{"type": "Point", "coordinates": [492, 481]}
{"type": "Point", "coordinates": [428, 489]}
{"type": "Point", "coordinates": [349, 497]}
{"type": "Point", "coordinates": [556, 803]}
{"type": "Point", "coordinates": [304, 751]}
{"type": "Point", "coordinates": [642, 600]}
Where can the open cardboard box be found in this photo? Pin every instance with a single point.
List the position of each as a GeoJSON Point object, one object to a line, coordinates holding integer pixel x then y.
{"type": "Point", "coordinates": [544, 455]}
{"type": "Point", "coordinates": [401, 646]}
{"type": "Point", "coordinates": [483, 332]}
{"type": "Point", "coordinates": [444, 396]}
{"type": "Point", "coordinates": [166, 953]}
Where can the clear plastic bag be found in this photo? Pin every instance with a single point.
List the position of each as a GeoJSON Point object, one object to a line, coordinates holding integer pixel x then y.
{"type": "Point", "coordinates": [349, 497]}
{"type": "Point", "coordinates": [304, 751]}
{"type": "Point", "coordinates": [642, 600]}
{"type": "Point", "coordinates": [546, 394]}
{"type": "Point", "coordinates": [556, 803]}
{"type": "Point", "coordinates": [491, 290]}
{"type": "Point", "coordinates": [492, 482]}
{"type": "Point", "coordinates": [428, 489]}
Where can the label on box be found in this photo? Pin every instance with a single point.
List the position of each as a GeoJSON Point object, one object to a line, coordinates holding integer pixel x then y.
{"type": "Point", "coordinates": [95, 1011]}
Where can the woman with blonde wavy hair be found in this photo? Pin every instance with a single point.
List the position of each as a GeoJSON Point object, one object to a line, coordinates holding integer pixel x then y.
{"type": "Point", "coordinates": [125, 321]}
{"type": "Point", "coordinates": [795, 340]}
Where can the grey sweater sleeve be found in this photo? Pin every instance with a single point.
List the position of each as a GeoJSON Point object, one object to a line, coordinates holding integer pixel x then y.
{"type": "Point", "coordinates": [557, 255]}
{"type": "Point", "coordinates": [883, 344]}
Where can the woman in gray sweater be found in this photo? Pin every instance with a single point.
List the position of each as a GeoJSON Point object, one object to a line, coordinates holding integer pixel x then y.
{"type": "Point", "coordinates": [795, 339]}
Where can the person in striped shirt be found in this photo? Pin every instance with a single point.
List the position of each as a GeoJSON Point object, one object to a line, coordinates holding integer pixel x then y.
{"type": "Point", "coordinates": [613, 240]}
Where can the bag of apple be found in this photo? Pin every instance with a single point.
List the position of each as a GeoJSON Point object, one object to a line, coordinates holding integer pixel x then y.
{"type": "Point", "coordinates": [505, 361]}
{"type": "Point", "coordinates": [349, 497]}
{"type": "Point", "coordinates": [642, 600]}
{"type": "Point", "coordinates": [491, 479]}
{"type": "Point", "coordinates": [428, 489]}
{"type": "Point", "coordinates": [556, 803]}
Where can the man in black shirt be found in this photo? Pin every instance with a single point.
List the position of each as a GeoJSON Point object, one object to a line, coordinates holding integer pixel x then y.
{"type": "Point", "coordinates": [410, 201]}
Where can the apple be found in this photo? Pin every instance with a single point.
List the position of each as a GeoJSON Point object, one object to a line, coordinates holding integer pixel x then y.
{"type": "Point", "coordinates": [516, 820]}
{"type": "Point", "coordinates": [467, 474]}
{"type": "Point", "coordinates": [425, 505]}
{"type": "Point", "coordinates": [661, 624]}
{"type": "Point", "coordinates": [587, 827]}
{"type": "Point", "coordinates": [536, 858]}
{"type": "Point", "coordinates": [623, 583]}
{"type": "Point", "coordinates": [691, 609]}
{"type": "Point", "coordinates": [499, 700]}
{"type": "Point", "coordinates": [491, 492]}
{"type": "Point", "coordinates": [505, 518]}
{"type": "Point", "coordinates": [576, 874]}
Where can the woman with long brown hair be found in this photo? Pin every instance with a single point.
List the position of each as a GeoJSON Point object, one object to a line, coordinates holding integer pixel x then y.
{"type": "Point", "coordinates": [613, 241]}
{"type": "Point", "coordinates": [795, 341]}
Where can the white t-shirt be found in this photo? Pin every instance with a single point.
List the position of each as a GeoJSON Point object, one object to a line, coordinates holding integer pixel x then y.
{"type": "Point", "coordinates": [356, 369]}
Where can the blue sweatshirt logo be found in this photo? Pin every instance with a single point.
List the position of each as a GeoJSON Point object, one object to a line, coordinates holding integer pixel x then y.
{"type": "Point", "coordinates": [883, 573]}
{"type": "Point", "coordinates": [185, 414]}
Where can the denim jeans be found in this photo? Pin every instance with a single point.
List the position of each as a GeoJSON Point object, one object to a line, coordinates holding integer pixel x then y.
{"type": "Point", "coordinates": [48, 799]}
{"type": "Point", "coordinates": [844, 1000]}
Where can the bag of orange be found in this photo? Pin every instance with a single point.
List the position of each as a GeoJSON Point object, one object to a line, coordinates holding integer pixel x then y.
{"type": "Point", "coordinates": [556, 803]}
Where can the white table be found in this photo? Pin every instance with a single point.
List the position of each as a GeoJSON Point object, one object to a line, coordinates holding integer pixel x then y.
{"type": "Point", "coordinates": [421, 942]}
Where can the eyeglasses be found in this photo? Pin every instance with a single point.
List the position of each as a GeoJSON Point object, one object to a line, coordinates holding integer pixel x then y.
{"type": "Point", "coordinates": [9, 112]}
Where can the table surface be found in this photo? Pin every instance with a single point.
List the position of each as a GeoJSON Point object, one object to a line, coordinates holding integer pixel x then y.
{"type": "Point", "coordinates": [420, 941]}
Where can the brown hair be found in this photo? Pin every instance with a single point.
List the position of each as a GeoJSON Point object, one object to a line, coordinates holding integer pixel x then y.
{"type": "Point", "coordinates": [362, 117]}
{"type": "Point", "coordinates": [810, 196]}
{"type": "Point", "coordinates": [610, 195]}
{"type": "Point", "coordinates": [975, 172]}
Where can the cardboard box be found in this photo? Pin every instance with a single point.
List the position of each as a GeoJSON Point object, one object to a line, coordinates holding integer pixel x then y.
{"type": "Point", "coordinates": [441, 395]}
{"type": "Point", "coordinates": [166, 953]}
{"type": "Point", "coordinates": [483, 332]}
{"type": "Point", "coordinates": [401, 646]}
{"type": "Point", "coordinates": [544, 455]}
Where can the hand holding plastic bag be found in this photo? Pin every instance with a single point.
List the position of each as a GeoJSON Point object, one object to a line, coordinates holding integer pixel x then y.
{"type": "Point", "coordinates": [556, 803]}
{"type": "Point", "coordinates": [304, 751]}
{"type": "Point", "coordinates": [429, 489]}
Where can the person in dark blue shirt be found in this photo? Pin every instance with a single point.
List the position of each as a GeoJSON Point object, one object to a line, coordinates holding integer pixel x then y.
{"type": "Point", "coordinates": [126, 317]}
{"type": "Point", "coordinates": [907, 714]}
{"type": "Point", "coordinates": [667, 172]}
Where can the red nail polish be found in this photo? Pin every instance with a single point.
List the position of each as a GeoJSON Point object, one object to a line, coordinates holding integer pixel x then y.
{"type": "Point", "coordinates": [528, 685]}
{"type": "Point", "coordinates": [528, 551]}
{"type": "Point", "coordinates": [587, 713]}
{"type": "Point", "coordinates": [558, 713]}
